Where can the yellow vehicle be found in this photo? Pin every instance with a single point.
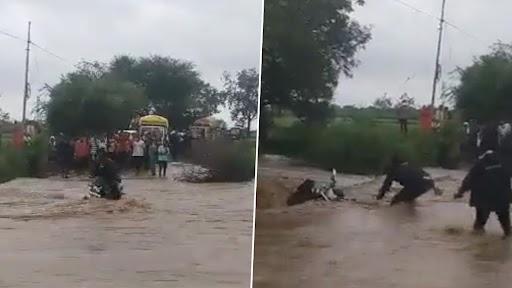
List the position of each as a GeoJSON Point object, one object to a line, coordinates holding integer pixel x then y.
{"type": "Point", "coordinates": [152, 124]}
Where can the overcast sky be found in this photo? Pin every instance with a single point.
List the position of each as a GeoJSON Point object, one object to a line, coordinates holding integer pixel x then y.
{"type": "Point", "coordinates": [404, 44]}
{"type": "Point", "coordinates": [220, 35]}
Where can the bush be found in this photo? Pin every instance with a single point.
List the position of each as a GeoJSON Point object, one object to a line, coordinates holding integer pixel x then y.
{"type": "Point", "coordinates": [12, 164]}
{"type": "Point", "coordinates": [364, 147]}
{"type": "Point", "coordinates": [27, 162]}
{"type": "Point", "coordinates": [227, 160]}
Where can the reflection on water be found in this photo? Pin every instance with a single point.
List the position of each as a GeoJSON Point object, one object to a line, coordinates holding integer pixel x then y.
{"type": "Point", "coordinates": [166, 234]}
{"type": "Point", "coordinates": [427, 244]}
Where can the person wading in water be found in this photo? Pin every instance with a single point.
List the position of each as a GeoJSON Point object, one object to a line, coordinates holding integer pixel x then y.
{"type": "Point", "coordinates": [489, 183]}
{"type": "Point", "coordinates": [415, 182]}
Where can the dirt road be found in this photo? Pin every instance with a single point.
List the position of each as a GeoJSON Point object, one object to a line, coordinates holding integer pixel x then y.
{"type": "Point", "coordinates": [165, 234]}
{"type": "Point", "coordinates": [368, 244]}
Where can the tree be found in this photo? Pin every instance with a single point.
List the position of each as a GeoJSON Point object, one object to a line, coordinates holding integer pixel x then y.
{"type": "Point", "coordinates": [174, 87]}
{"type": "Point", "coordinates": [4, 116]}
{"type": "Point", "coordinates": [306, 46]}
{"type": "Point", "coordinates": [405, 101]}
{"type": "Point", "coordinates": [242, 96]}
{"type": "Point", "coordinates": [384, 102]}
{"type": "Point", "coordinates": [90, 101]}
{"type": "Point", "coordinates": [485, 87]}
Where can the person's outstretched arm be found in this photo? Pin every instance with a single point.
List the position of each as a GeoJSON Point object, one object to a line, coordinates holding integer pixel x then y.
{"type": "Point", "coordinates": [386, 185]}
{"type": "Point", "coordinates": [466, 183]}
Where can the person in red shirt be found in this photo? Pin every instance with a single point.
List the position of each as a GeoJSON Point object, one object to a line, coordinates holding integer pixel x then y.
{"type": "Point", "coordinates": [81, 153]}
{"type": "Point", "coordinates": [426, 118]}
{"type": "Point", "coordinates": [122, 149]}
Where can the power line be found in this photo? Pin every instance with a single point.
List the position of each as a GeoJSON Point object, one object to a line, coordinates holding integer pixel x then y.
{"type": "Point", "coordinates": [10, 35]}
{"type": "Point", "coordinates": [33, 44]}
{"type": "Point", "coordinates": [49, 52]}
{"type": "Point", "coordinates": [448, 23]}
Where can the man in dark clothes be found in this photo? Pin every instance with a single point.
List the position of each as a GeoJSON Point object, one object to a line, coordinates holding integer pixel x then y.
{"type": "Point", "coordinates": [174, 141]}
{"type": "Point", "coordinates": [490, 188]}
{"type": "Point", "coordinates": [415, 182]}
{"type": "Point", "coordinates": [64, 155]}
{"type": "Point", "coordinates": [107, 175]}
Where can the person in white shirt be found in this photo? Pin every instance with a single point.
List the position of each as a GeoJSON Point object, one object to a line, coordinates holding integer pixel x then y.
{"type": "Point", "coordinates": [102, 144]}
{"type": "Point", "coordinates": [138, 153]}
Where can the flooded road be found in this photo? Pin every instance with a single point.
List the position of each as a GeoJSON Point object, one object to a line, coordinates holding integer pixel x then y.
{"type": "Point", "coordinates": [165, 234]}
{"type": "Point", "coordinates": [369, 244]}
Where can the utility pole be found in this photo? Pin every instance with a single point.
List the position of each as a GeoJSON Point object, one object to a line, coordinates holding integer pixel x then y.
{"type": "Point", "coordinates": [438, 56]}
{"type": "Point", "coordinates": [25, 92]}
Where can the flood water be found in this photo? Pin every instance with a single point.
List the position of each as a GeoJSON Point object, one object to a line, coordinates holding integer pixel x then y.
{"type": "Point", "coordinates": [369, 244]}
{"type": "Point", "coordinates": [164, 234]}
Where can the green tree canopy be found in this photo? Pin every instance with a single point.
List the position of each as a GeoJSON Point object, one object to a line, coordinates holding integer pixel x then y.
{"type": "Point", "coordinates": [89, 101]}
{"type": "Point", "coordinates": [174, 87]}
{"type": "Point", "coordinates": [384, 102]}
{"type": "Point", "coordinates": [306, 46]}
{"type": "Point", "coordinates": [242, 96]}
{"type": "Point", "coordinates": [485, 87]}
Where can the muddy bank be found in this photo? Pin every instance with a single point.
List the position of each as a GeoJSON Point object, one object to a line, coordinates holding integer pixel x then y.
{"type": "Point", "coordinates": [165, 234]}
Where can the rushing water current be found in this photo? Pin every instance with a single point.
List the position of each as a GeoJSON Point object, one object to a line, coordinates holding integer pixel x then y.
{"type": "Point", "coordinates": [369, 244]}
{"type": "Point", "coordinates": [164, 234]}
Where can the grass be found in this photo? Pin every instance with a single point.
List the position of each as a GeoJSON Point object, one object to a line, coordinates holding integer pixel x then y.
{"type": "Point", "coordinates": [362, 146]}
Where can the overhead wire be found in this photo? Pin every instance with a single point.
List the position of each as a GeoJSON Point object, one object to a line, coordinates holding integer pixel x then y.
{"type": "Point", "coordinates": [35, 45]}
{"type": "Point", "coordinates": [446, 22]}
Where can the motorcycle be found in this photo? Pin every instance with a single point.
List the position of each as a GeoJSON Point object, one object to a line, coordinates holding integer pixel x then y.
{"type": "Point", "coordinates": [99, 189]}
{"type": "Point", "coordinates": [308, 191]}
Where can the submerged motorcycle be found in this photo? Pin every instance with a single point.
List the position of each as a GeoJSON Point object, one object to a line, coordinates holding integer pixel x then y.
{"type": "Point", "coordinates": [98, 188]}
{"type": "Point", "coordinates": [308, 191]}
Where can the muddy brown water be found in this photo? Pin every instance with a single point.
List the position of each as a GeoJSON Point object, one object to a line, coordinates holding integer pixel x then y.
{"type": "Point", "coordinates": [369, 244]}
{"type": "Point", "coordinates": [165, 234]}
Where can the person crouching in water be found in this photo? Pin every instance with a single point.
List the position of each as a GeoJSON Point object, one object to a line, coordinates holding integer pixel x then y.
{"type": "Point", "coordinates": [489, 183]}
{"type": "Point", "coordinates": [415, 182]}
{"type": "Point", "coordinates": [107, 176]}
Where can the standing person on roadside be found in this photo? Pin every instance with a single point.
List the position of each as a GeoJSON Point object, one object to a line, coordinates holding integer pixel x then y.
{"type": "Point", "coordinates": [65, 155]}
{"type": "Point", "coordinates": [102, 143]}
{"type": "Point", "coordinates": [489, 183]}
{"type": "Point", "coordinates": [138, 153]}
{"type": "Point", "coordinates": [93, 151]}
{"type": "Point", "coordinates": [111, 147]}
{"type": "Point", "coordinates": [93, 144]}
{"type": "Point", "coordinates": [163, 159]}
{"type": "Point", "coordinates": [153, 156]}
{"type": "Point", "coordinates": [81, 153]}
{"type": "Point", "coordinates": [401, 114]}
{"type": "Point", "coordinates": [122, 149]}
{"type": "Point", "coordinates": [174, 143]}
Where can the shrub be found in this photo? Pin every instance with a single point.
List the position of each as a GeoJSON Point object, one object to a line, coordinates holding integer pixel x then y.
{"type": "Point", "coordinates": [12, 164]}
{"type": "Point", "coordinates": [27, 162]}
{"type": "Point", "coordinates": [364, 147]}
{"type": "Point", "coordinates": [227, 160]}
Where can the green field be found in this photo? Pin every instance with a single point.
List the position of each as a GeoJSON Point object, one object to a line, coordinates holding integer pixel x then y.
{"type": "Point", "coordinates": [289, 120]}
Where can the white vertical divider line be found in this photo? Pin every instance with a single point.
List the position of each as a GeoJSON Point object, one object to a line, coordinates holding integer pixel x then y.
{"type": "Point", "coordinates": [257, 145]}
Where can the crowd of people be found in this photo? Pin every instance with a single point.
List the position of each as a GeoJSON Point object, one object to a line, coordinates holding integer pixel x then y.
{"type": "Point", "coordinates": [127, 150]}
